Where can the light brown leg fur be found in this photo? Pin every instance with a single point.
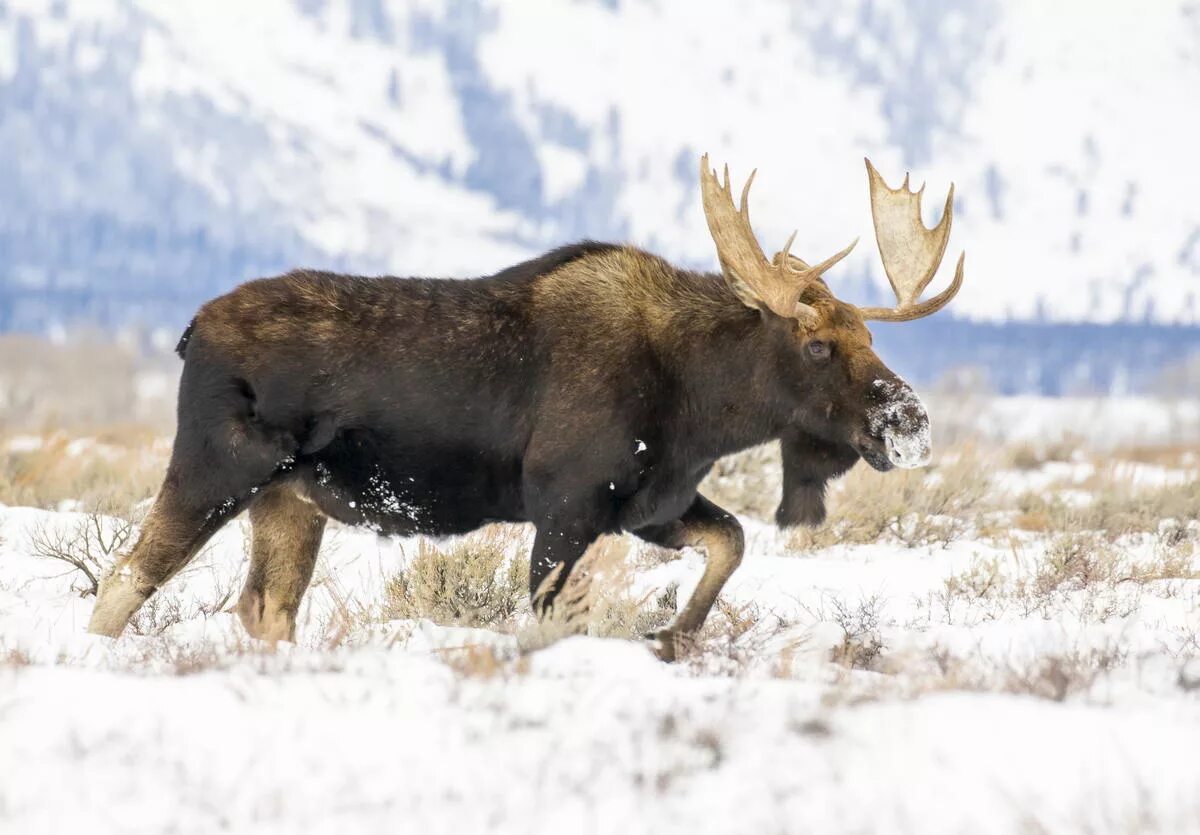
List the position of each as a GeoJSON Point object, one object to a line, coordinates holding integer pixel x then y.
{"type": "Point", "coordinates": [287, 532]}
{"type": "Point", "coordinates": [171, 535]}
{"type": "Point", "coordinates": [718, 533]}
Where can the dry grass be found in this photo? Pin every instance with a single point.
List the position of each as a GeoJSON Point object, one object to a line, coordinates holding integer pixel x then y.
{"type": "Point", "coordinates": [1027, 455]}
{"type": "Point", "coordinates": [912, 507]}
{"type": "Point", "coordinates": [86, 381]}
{"type": "Point", "coordinates": [1115, 507]}
{"type": "Point", "coordinates": [747, 483]}
{"type": "Point", "coordinates": [117, 468]}
{"type": "Point", "coordinates": [1086, 548]}
{"type": "Point", "coordinates": [955, 497]}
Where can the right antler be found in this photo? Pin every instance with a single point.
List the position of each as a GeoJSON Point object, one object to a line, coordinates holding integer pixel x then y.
{"type": "Point", "coordinates": [777, 284]}
{"type": "Point", "coordinates": [911, 253]}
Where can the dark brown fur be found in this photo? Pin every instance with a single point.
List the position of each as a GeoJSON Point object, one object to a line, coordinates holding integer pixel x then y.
{"type": "Point", "coordinates": [588, 391]}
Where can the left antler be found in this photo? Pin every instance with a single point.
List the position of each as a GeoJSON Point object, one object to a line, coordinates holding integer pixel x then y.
{"type": "Point", "coordinates": [911, 253]}
{"type": "Point", "coordinates": [777, 284]}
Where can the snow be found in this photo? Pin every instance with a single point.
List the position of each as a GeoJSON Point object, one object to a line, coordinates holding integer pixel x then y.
{"type": "Point", "coordinates": [904, 424]}
{"type": "Point", "coordinates": [200, 728]}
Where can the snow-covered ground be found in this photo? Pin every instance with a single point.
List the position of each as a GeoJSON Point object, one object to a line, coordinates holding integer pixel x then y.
{"type": "Point", "coordinates": [958, 686]}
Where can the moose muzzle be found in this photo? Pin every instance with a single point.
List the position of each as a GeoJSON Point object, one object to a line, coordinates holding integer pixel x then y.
{"type": "Point", "coordinates": [901, 422]}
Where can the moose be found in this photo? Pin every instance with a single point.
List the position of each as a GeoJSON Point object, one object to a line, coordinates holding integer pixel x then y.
{"type": "Point", "coordinates": [587, 391]}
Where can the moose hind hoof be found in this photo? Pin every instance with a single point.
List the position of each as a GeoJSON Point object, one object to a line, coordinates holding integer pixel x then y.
{"type": "Point", "coordinates": [666, 645]}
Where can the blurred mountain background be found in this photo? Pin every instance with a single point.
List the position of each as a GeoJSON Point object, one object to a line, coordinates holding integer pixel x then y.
{"type": "Point", "coordinates": [154, 154]}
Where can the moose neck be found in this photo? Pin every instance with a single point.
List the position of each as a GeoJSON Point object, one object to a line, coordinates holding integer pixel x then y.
{"type": "Point", "coordinates": [728, 372]}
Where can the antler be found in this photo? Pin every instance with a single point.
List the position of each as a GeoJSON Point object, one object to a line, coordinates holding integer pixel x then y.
{"type": "Point", "coordinates": [776, 284]}
{"type": "Point", "coordinates": [911, 253]}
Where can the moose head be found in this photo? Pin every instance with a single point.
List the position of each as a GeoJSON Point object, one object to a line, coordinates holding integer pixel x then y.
{"type": "Point", "coordinates": [844, 402]}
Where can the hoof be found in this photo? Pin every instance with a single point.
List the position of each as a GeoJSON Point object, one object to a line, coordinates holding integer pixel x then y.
{"type": "Point", "coordinates": [668, 646]}
{"type": "Point", "coordinates": [116, 602]}
{"type": "Point", "coordinates": [264, 619]}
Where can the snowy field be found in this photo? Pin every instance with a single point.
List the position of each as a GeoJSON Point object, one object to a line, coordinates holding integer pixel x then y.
{"type": "Point", "coordinates": [1007, 642]}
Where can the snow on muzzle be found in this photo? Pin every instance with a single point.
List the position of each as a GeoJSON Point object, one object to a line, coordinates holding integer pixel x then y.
{"type": "Point", "coordinates": [903, 424]}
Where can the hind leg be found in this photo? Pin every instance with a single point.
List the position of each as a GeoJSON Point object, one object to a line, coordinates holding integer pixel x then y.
{"type": "Point", "coordinates": [286, 535]}
{"type": "Point", "coordinates": [213, 474]}
{"type": "Point", "coordinates": [174, 531]}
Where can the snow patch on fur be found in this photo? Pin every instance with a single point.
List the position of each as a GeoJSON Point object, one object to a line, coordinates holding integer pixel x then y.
{"type": "Point", "coordinates": [903, 423]}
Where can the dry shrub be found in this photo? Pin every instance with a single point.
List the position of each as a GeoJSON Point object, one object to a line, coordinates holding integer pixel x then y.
{"type": "Point", "coordinates": [862, 643]}
{"type": "Point", "coordinates": [737, 636]}
{"type": "Point", "coordinates": [158, 614]}
{"type": "Point", "coordinates": [913, 507]}
{"type": "Point", "coordinates": [1042, 512]}
{"type": "Point", "coordinates": [482, 581]}
{"type": "Point", "coordinates": [1079, 571]}
{"type": "Point", "coordinates": [599, 599]}
{"type": "Point", "coordinates": [481, 661]}
{"type": "Point", "coordinates": [14, 657]}
{"type": "Point", "coordinates": [739, 619]}
{"type": "Point", "coordinates": [1054, 677]}
{"type": "Point", "coordinates": [345, 614]}
{"type": "Point", "coordinates": [165, 610]}
{"type": "Point", "coordinates": [1031, 455]}
{"type": "Point", "coordinates": [1058, 677]}
{"type": "Point", "coordinates": [1076, 561]}
{"type": "Point", "coordinates": [158, 656]}
{"type": "Point", "coordinates": [980, 581]}
{"type": "Point", "coordinates": [474, 581]}
{"type": "Point", "coordinates": [88, 548]}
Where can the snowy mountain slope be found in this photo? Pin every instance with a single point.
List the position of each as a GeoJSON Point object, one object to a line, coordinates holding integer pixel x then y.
{"type": "Point", "coordinates": [166, 151]}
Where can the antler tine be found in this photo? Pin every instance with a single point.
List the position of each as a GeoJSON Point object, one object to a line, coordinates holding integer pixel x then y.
{"type": "Point", "coordinates": [775, 284]}
{"type": "Point", "coordinates": [911, 253]}
{"type": "Point", "coordinates": [747, 271]}
{"type": "Point", "coordinates": [922, 309]}
{"type": "Point", "coordinates": [785, 259]}
{"type": "Point", "coordinates": [744, 209]}
{"type": "Point", "coordinates": [781, 259]}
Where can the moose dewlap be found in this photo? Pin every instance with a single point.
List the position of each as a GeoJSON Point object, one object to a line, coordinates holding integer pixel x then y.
{"type": "Point", "coordinates": [588, 391]}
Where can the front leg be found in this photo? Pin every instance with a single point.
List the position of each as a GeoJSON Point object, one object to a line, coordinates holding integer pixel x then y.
{"type": "Point", "coordinates": [718, 532]}
{"type": "Point", "coordinates": [808, 465]}
{"type": "Point", "coordinates": [560, 542]}
{"type": "Point", "coordinates": [569, 516]}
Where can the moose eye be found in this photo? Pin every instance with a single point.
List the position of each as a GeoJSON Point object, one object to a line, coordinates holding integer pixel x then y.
{"type": "Point", "coordinates": [818, 350]}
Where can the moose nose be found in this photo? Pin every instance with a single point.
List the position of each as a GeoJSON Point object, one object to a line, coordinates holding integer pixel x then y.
{"type": "Point", "coordinates": [903, 423]}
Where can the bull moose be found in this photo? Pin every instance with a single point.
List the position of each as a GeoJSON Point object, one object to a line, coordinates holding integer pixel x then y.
{"type": "Point", "coordinates": [587, 391]}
